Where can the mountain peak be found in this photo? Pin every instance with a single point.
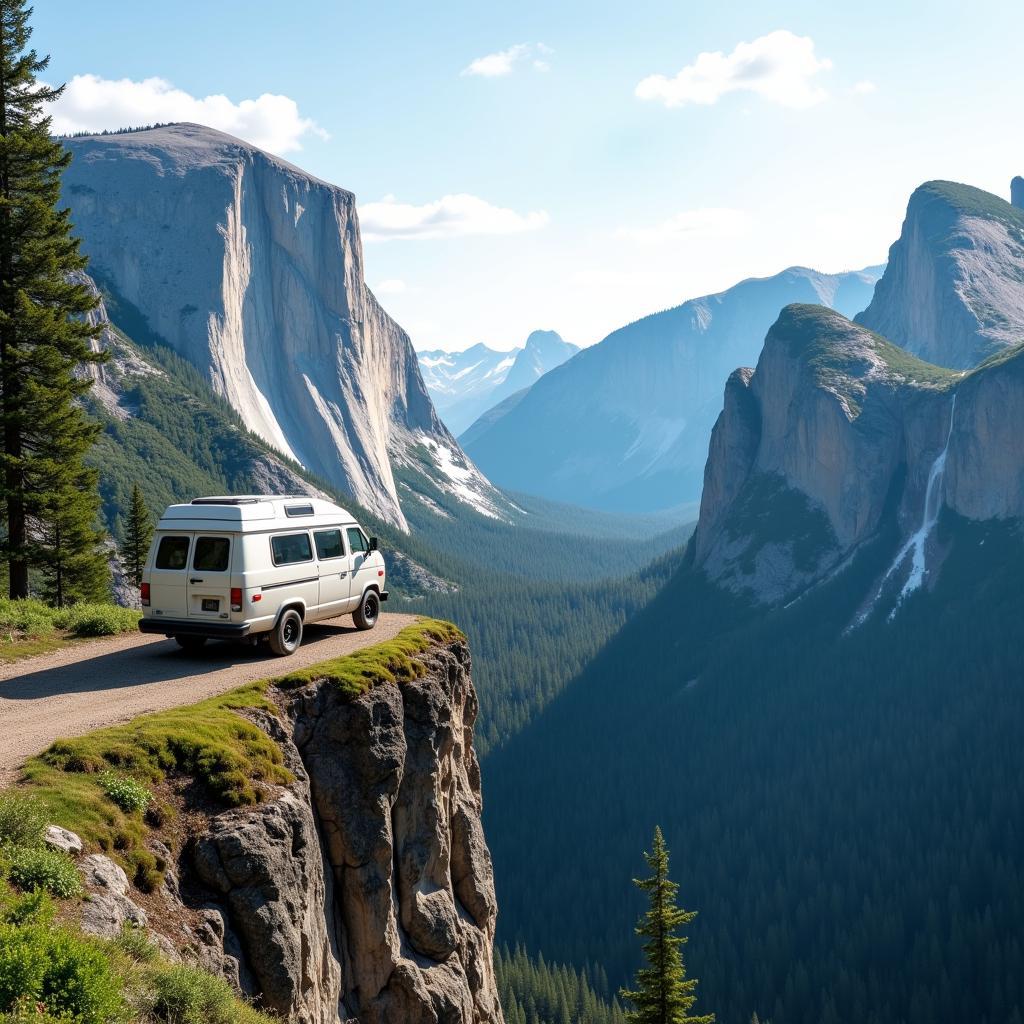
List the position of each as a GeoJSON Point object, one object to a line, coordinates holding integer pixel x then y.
{"type": "Point", "coordinates": [964, 200]}
{"type": "Point", "coordinates": [1017, 192]}
{"type": "Point", "coordinates": [183, 146]}
{"type": "Point", "coordinates": [546, 340]}
{"type": "Point", "coordinates": [953, 290]}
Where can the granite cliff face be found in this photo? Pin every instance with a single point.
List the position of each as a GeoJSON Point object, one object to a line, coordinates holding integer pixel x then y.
{"type": "Point", "coordinates": [838, 428]}
{"type": "Point", "coordinates": [835, 430]}
{"type": "Point", "coordinates": [253, 271]}
{"type": "Point", "coordinates": [624, 425]}
{"type": "Point", "coordinates": [953, 290]}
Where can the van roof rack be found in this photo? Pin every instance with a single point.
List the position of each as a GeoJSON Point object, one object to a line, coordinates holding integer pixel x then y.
{"type": "Point", "coordinates": [225, 501]}
{"type": "Point", "coordinates": [248, 499]}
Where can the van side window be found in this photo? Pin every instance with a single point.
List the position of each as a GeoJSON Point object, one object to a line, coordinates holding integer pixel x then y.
{"type": "Point", "coordinates": [293, 547]}
{"type": "Point", "coordinates": [211, 554]}
{"type": "Point", "coordinates": [329, 544]}
{"type": "Point", "coordinates": [172, 553]}
{"type": "Point", "coordinates": [356, 540]}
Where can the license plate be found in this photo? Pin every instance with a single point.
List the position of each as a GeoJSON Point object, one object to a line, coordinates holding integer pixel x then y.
{"type": "Point", "coordinates": [211, 604]}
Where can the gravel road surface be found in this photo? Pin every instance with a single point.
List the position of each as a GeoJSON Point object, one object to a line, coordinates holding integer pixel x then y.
{"type": "Point", "coordinates": [87, 685]}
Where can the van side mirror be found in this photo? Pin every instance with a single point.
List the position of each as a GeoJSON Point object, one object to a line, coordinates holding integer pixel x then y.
{"type": "Point", "coordinates": [374, 545]}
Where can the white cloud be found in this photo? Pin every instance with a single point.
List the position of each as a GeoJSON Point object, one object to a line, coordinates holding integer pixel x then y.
{"type": "Point", "coordinates": [707, 222]}
{"type": "Point", "coordinates": [92, 104]}
{"type": "Point", "coordinates": [779, 67]}
{"type": "Point", "coordinates": [504, 61]}
{"type": "Point", "coordinates": [864, 87]}
{"type": "Point", "coordinates": [448, 217]}
{"type": "Point", "coordinates": [392, 286]}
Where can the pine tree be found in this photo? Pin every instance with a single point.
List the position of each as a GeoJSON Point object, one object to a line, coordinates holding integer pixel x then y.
{"type": "Point", "coordinates": [49, 500]}
{"type": "Point", "coordinates": [138, 532]}
{"type": "Point", "coordinates": [663, 993]}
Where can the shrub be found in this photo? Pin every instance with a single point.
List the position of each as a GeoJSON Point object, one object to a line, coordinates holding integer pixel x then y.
{"type": "Point", "coordinates": [25, 618]}
{"type": "Point", "coordinates": [188, 995]}
{"type": "Point", "coordinates": [62, 974]}
{"type": "Point", "coordinates": [45, 869]}
{"type": "Point", "coordinates": [148, 871]}
{"type": "Point", "coordinates": [136, 944]}
{"type": "Point", "coordinates": [129, 794]}
{"type": "Point", "coordinates": [22, 820]}
{"type": "Point", "coordinates": [97, 620]}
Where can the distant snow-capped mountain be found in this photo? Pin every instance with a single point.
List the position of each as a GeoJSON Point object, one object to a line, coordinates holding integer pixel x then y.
{"type": "Point", "coordinates": [464, 385]}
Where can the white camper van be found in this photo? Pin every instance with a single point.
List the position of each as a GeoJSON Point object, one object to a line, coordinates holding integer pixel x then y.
{"type": "Point", "coordinates": [256, 568]}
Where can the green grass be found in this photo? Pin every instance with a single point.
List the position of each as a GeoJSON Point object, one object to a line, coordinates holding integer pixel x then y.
{"type": "Point", "coordinates": [393, 661]}
{"type": "Point", "coordinates": [230, 759]}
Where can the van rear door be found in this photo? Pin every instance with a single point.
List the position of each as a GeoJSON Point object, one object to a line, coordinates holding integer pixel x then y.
{"type": "Point", "coordinates": [209, 577]}
{"type": "Point", "coordinates": [168, 588]}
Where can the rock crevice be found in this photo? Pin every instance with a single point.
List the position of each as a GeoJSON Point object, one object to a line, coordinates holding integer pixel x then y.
{"type": "Point", "coordinates": [364, 890]}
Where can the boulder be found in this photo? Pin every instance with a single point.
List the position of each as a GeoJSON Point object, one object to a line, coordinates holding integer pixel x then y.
{"type": "Point", "coordinates": [58, 838]}
{"type": "Point", "coordinates": [107, 909]}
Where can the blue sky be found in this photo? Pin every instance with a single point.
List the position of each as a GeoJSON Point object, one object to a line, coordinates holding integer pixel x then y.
{"type": "Point", "coordinates": [544, 185]}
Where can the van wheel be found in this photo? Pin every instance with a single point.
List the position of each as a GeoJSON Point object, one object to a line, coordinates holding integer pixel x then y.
{"type": "Point", "coordinates": [190, 643]}
{"type": "Point", "coordinates": [286, 636]}
{"type": "Point", "coordinates": [365, 616]}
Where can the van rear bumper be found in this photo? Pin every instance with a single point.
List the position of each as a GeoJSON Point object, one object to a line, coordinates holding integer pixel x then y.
{"type": "Point", "coordinates": [185, 627]}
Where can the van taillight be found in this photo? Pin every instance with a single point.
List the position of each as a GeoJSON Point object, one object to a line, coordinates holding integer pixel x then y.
{"type": "Point", "coordinates": [144, 595]}
{"type": "Point", "coordinates": [236, 599]}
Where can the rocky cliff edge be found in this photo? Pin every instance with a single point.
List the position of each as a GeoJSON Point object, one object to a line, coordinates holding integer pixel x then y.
{"type": "Point", "coordinates": [351, 881]}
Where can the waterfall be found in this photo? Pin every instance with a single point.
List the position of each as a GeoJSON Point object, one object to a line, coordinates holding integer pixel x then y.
{"type": "Point", "coordinates": [932, 506]}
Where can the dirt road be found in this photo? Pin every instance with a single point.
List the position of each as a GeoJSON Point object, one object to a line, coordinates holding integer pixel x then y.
{"type": "Point", "coordinates": [88, 685]}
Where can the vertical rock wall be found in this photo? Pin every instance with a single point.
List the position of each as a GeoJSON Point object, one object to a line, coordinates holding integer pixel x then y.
{"type": "Point", "coordinates": [364, 891]}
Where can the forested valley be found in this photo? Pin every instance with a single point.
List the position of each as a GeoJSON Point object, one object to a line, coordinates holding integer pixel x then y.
{"type": "Point", "coordinates": [845, 807]}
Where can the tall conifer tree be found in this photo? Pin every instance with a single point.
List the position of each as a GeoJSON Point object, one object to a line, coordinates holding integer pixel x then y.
{"type": "Point", "coordinates": [663, 993]}
{"type": "Point", "coordinates": [49, 501]}
{"type": "Point", "coordinates": [138, 532]}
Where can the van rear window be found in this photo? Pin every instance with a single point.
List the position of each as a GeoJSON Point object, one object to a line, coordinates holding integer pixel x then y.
{"type": "Point", "coordinates": [172, 553]}
{"type": "Point", "coordinates": [294, 547]}
{"type": "Point", "coordinates": [211, 554]}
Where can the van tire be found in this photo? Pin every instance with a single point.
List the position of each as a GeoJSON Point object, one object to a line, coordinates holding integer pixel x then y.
{"type": "Point", "coordinates": [190, 643]}
{"type": "Point", "coordinates": [286, 636]}
{"type": "Point", "coordinates": [368, 612]}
